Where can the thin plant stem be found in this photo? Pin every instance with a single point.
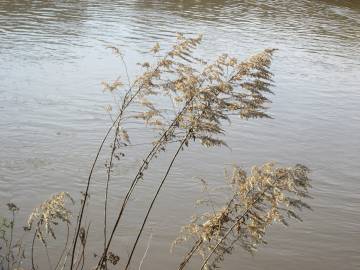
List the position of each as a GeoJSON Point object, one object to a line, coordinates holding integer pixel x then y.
{"type": "Point", "coordinates": [87, 192]}
{"type": "Point", "coordinates": [112, 156]}
{"type": "Point", "coordinates": [32, 251]}
{"type": "Point", "coordinates": [65, 247]}
{"type": "Point", "coordinates": [199, 242]}
{"type": "Point", "coordinates": [11, 237]}
{"type": "Point", "coordinates": [196, 246]}
{"type": "Point", "coordinates": [155, 197]}
{"type": "Point", "coordinates": [238, 219]}
{"type": "Point", "coordinates": [126, 69]}
{"type": "Point", "coordinates": [126, 102]}
{"type": "Point", "coordinates": [48, 256]}
{"type": "Point", "coordinates": [82, 256]}
{"type": "Point", "coordinates": [146, 251]}
{"type": "Point", "coordinates": [144, 164]}
{"type": "Point", "coordinates": [127, 196]}
{"type": "Point", "coordinates": [108, 181]}
{"type": "Point", "coordinates": [190, 253]}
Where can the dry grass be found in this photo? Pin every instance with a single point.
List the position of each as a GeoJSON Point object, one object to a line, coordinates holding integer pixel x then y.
{"type": "Point", "coordinates": [203, 95]}
{"type": "Point", "coordinates": [269, 194]}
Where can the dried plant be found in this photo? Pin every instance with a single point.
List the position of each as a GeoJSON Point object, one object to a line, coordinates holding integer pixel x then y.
{"type": "Point", "coordinates": [269, 194]}
{"type": "Point", "coordinates": [49, 214]}
{"type": "Point", "coordinates": [202, 96]}
{"type": "Point", "coordinates": [44, 218]}
{"type": "Point", "coordinates": [12, 251]}
{"type": "Point", "coordinates": [137, 91]}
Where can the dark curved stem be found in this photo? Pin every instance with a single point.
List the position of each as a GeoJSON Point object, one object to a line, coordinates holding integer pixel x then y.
{"type": "Point", "coordinates": [126, 102]}
{"type": "Point", "coordinates": [65, 247]}
{"type": "Point", "coordinates": [127, 196]}
{"type": "Point", "coordinates": [32, 251]}
{"type": "Point", "coordinates": [154, 199]}
{"type": "Point", "coordinates": [108, 182]}
{"type": "Point", "coordinates": [87, 190]}
{"type": "Point", "coordinates": [188, 256]}
{"type": "Point", "coordinates": [145, 163]}
{"type": "Point", "coordinates": [11, 237]}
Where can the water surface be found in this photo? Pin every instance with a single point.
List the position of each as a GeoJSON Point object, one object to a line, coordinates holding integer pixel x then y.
{"type": "Point", "coordinates": [53, 58]}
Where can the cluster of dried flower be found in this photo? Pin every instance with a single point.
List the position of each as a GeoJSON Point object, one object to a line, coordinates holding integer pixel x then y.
{"type": "Point", "coordinates": [49, 214]}
{"type": "Point", "coordinates": [269, 194]}
{"type": "Point", "coordinates": [202, 96]}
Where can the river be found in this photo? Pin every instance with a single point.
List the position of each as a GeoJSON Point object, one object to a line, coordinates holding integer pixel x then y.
{"type": "Point", "coordinates": [53, 58]}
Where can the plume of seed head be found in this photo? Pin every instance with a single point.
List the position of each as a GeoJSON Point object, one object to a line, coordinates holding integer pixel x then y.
{"type": "Point", "coordinates": [49, 214]}
{"type": "Point", "coordinates": [269, 194]}
{"type": "Point", "coordinates": [202, 94]}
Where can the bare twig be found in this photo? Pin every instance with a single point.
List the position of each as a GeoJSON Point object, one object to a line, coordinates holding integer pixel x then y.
{"type": "Point", "coordinates": [86, 194]}
{"type": "Point", "coordinates": [143, 166]}
{"type": "Point", "coordinates": [65, 247]}
{"type": "Point", "coordinates": [190, 254]}
{"type": "Point", "coordinates": [32, 251]}
{"type": "Point", "coordinates": [12, 222]}
{"type": "Point", "coordinates": [155, 197]}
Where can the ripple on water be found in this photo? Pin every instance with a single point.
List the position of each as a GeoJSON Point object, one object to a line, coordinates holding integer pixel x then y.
{"type": "Point", "coordinates": [53, 58]}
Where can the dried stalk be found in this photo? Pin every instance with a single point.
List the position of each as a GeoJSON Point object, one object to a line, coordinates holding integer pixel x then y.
{"type": "Point", "coordinates": [126, 102]}
{"type": "Point", "coordinates": [214, 107]}
{"type": "Point", "coordinates": [155, 197]}
{"type": "Point", "coordinates": [108, 181]}
{"type": "Point", "coordinates": [266, 196]}
{"type": "Point", "coordinates": [11, 236]}
{"type": "Point", "coordinates": [137, 177]}
{"type": "Point", "coordinates": [86, 194]}
{"type": "Point", "coordinates": [32, 251]}
{"type": "Point", "coordinates": [190, 254]}
{"type": "Point", "coordinates": [238, 219]}
{"type": "Point", "coordinates": [65, 247]}
{"type": "Point", "coordinates": [142, 84]}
